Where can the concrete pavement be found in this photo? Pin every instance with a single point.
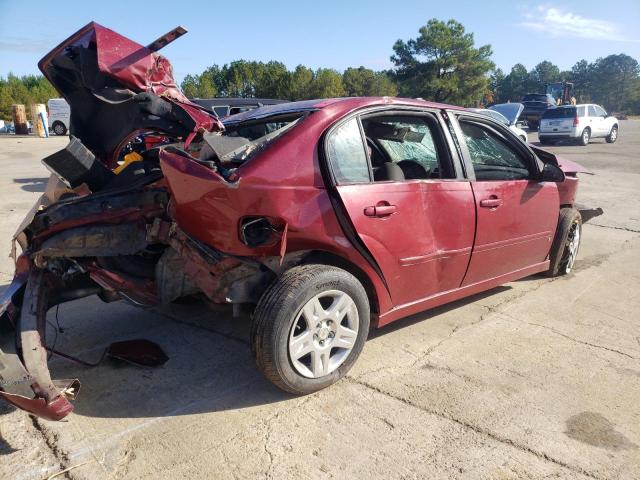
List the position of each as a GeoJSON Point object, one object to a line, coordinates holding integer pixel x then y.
{"type": "Point", "coordinates": [539, 378]}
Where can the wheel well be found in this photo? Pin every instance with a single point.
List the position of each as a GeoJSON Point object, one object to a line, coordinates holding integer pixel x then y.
{"type": "Point", "coordinates": [327, 258]}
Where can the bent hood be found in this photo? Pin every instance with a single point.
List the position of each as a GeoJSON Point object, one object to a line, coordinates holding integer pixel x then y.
{"type": "Point", "coordinates": [511, 111]}
{"type": "Point", "coordinates": [116, 87]}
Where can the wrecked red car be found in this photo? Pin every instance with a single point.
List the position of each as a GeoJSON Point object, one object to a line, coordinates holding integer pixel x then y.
{"type": "Point", "coordinates": [327, 216]}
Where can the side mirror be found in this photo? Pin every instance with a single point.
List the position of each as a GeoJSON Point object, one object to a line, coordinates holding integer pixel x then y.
{"type": "Point", "coordinates": [552, 173]}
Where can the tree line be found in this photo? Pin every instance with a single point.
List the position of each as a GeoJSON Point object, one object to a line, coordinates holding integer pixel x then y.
{"type": "Point", "coordinates": [273, 80]}
{"type": "Point", "coordinates": [442, 64]}
{"type": "Point", "coordinates": [26, 90]}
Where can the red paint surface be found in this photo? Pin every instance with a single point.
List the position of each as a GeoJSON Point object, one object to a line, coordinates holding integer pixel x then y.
{"type": "Point", "coordinates": [425, 247]}
{"type": "Point", "coordinates": [420, 250]}
{"type": "Point", "coordinates": [515, 234]}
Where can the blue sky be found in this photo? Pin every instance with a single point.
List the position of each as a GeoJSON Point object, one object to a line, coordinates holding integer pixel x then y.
{"type": "Point", "coordinates": [335, 34]}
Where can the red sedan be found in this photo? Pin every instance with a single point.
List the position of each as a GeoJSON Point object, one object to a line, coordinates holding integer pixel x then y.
{"type": "Point", "coordinates": [328, 217]}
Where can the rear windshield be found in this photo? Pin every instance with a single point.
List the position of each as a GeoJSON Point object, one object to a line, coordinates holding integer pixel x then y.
{"type": "Point", "coordinates": [562, 112]}
{"type": "Point", "coordinates": [239, 142]}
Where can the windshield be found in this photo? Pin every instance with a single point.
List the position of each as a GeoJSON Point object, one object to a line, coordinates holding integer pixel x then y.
{"type": "Point", "coordinates": [561, 112]}
{"type": "Point", "coordinates": [511, 111]}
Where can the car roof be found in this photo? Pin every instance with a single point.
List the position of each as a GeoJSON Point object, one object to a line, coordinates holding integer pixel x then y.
{"type": "Point", "coordinates": [236, 101]}
{"type": "Point", "coordinates": [338, 106]}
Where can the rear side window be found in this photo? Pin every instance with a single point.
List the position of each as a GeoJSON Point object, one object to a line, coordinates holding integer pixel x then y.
{"type": "Point", "coordinates": [412, 143]}
{"type": "Point", "coordinates": [592, 111]}
{"type": "Point", "coordinates": [347, 155]}
{"type": "Point", "coordinates": [581, 111]}
{"type": "Point", "coordinates": [561, 112]}
{"type": "Point", "coordinates": [491, 155]}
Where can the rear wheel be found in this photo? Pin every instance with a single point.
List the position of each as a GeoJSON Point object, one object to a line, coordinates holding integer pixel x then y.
{"type": "Point", "coordinates": [310, 327]}
{"type": "Point", "coordinates": [585, 137]}
{"type": "Point", "coordinates": [566, 243]}
{"type": "Point", "coordinates": [613, 134]}
{"type": "Point", "coordinates": [59, 128]}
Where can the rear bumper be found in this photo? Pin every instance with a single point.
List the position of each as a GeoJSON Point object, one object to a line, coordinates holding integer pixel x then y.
{"type": "Point", "coordinates": [549, 133]}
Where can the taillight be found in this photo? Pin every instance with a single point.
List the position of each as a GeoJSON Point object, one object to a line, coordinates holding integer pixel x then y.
{"type": "Point", "coordinates": [575, 121]}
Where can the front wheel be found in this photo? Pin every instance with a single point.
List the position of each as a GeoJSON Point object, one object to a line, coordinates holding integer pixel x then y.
{"type": "Point", "coordinates": [310, 327]}
{"type": "Point", "coordinates": [566, 242]}
{"type": "Point", "coordinates": [613, 135]}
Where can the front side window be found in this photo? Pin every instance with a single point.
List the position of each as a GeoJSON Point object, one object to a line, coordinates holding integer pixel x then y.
{"type": "Point", "coordinates": [347, 155]}
{"type": "Point", "coordinates": [600, 111]}
{"type": "Point", "coordinates": [491, 155]}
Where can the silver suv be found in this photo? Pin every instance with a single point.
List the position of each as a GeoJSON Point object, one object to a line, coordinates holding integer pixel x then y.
{"type": "Point", "coordinates": [579, 123]}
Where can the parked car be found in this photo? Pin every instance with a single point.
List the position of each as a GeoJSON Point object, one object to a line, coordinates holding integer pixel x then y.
{"type": "Point", "coordinates": [579, 123]}
{"type": "Point", "coordinates": [328, 217]}
{"type": "Point", "coordinates": [8, 128]}
{"type": "Point", "coordinates": [59, 116]}
{"type": "Point", "coordinates": [511, 109]}
{"type": "Point", "coordinates": [223, 107]}
{"type": "Point", "coordinates": [535, 105]}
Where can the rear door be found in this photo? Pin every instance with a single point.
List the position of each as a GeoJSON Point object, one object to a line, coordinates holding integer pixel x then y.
{"type": "Point", "coordinates": [405, 201]}
{"type": "Point", "coordinates": [516, 213]}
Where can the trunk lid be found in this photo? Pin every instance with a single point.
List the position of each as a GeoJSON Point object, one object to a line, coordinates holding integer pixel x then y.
{"type": "Point", "coordinates": [117, 87]}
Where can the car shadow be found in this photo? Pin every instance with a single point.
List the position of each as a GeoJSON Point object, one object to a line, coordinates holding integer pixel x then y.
{"type": "Point", "coordinates": [210, 367]}
{"type": "Point", "coordinates": [36, 184]}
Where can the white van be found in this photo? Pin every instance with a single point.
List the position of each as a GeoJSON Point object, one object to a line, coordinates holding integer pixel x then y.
{"type": "Point", "coordinates": [59, 114]}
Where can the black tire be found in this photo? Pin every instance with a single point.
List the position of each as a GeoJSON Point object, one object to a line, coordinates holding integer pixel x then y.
{"type": "Point", "coordinates": [584, 138]}
{"type": "Point", "coordinates": [544, 140]}
{"type": "Point", "coordinates": [280, 307]}
{"type": "Point", "coordinates": [59, 128]}
{"type": "Point", "coordinates": [561, 262]}
{"type": "Point", "coordinates": [533, 126]}
{"type": "Point", "coordinates": [613, 135]}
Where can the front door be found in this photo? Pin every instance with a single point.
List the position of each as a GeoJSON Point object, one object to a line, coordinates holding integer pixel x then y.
{"type": "Point", "coordinates": [394, 175]}
{"type": "Point", "coordinates": [517, 214]}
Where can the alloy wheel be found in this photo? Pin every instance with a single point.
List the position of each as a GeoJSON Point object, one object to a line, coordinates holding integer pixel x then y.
{"type": "Point", "coordinates": [573, 244]}
{"type": "Point", "coordinates": [323, 334]}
